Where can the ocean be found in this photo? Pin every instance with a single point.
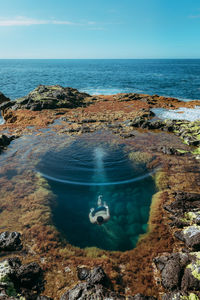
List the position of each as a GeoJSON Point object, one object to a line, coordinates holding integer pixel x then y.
{"type": "Point", "coordinates": [168, 77]}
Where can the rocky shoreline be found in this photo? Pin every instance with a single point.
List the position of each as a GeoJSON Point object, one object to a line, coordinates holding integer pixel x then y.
{"type": "Point", "coordinates": [168, 255]}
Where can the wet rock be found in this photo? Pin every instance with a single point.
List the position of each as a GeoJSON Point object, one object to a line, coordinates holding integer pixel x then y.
{"type": "Point", "coordinates": [10, 241]}
{"type": "Point", "coordinates": [51, 97]}
{"type": "Point", "coordinates": [191, 236]}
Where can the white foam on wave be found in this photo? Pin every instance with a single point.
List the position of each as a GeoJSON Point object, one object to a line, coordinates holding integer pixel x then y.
{"type": "Point", "coordinates": [182, 113]}
{"type": "Point", "coordinates": [109, 91]}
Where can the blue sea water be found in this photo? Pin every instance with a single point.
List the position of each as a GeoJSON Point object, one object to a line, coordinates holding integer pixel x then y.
{"type": "Point", "coordinates": [168, 77]}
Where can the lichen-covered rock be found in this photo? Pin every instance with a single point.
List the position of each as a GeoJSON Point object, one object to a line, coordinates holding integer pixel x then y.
{"type": "Point", "coordinates": [26, 280]}
{"type": "Point", "coordinates": [10, 241]}
{"type": "Point", "coordinates": [191, 236]}
{"type": "Point", "coordinates": [51, 97]}
{"type": "Point", "coordinates": [180, 296]}
{"type": "Point", "coordinates": [191, 277]}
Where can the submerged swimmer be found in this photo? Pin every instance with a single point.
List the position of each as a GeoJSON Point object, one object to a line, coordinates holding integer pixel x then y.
{"type": "Point", "coordinates": [100, 214]}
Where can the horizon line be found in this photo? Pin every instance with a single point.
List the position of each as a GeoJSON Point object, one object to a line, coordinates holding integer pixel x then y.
{"type": "Point", "coordinates": [99, 58]}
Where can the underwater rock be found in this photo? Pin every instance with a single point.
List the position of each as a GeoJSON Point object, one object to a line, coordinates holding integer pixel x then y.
{"type": "Point", "coordinates": [51, 97]}
{"type": "Point", "coordinates": [10, 241]}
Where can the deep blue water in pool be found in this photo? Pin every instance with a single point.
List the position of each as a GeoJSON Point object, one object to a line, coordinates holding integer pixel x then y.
{"type": "Point", "coordinates": [77, 174]}
{"type": "Point", "coordinates": [169, 77]}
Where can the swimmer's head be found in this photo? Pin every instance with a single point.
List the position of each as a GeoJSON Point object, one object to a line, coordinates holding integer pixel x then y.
{"type": "Point", "coordinates": [100, 220]}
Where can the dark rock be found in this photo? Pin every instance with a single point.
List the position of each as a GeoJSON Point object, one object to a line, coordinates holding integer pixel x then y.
{"type": "Point", "coordinates": [191, 236]}
{"type": "Point", "coordinates": [184, 202]}
{"type": "Point", "coordinates": [87, 291]}
{"type": "Point", "coordinates": [3, 98]}
{"type": "Point", "coordinates": [10, 241]}
{"type": "Point", "coordinates": [83, 273]}
{"type": "Point", "coordinates": [172, 296]}
{"type": "Point", "coordinates": [29, 276]}
{"type": "Point", "coordinates": [43, 298]}
{"type": "Point", "coordinates": [191, 277]}
{"type": "Point", "coordinates": [168, 150]}
{"type": "Point", "coordinates": [97, 276]}
{"type": "Point", "coordinates": [171, 268]}
{"type": "Point", "coordinates": [142, 297]}
{"type": "Point", "coordinates": [171, 275]}
{"type": "Point", "coordinates": [6, 105]}
{"type": "Point", "coordinates": [51, 97]}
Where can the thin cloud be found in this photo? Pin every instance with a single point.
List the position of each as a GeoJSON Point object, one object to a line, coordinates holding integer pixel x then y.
{"type": "Point", "coordinates": [194, 17]}
{"type": "Point", "coordinates": [23, 21]}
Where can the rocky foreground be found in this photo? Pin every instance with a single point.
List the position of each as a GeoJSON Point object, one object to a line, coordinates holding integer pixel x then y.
{"type": "Point", "coordinates": [38, 263]}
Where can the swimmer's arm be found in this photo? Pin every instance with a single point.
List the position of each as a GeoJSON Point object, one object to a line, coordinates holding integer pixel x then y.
{"type": "Point", "coordinates": [92, 219]}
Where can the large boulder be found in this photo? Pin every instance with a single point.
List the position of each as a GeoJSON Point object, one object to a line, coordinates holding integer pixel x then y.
{"type": "Point", "coordinates": [10, 241]}
{"type": "Point", "coordinates": [51, 97]}
{"type": "Point", "coordinates": [171, 268]}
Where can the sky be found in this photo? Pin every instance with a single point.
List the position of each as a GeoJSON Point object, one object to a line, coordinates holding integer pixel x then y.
{"type": "Point", "coordinates": [99, 29]}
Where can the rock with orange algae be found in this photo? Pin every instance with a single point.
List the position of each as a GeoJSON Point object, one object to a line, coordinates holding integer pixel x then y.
{"type": "Point", "coordinates": [10, 241]}
{"type": "Point", "coordinates": [51, 97]}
